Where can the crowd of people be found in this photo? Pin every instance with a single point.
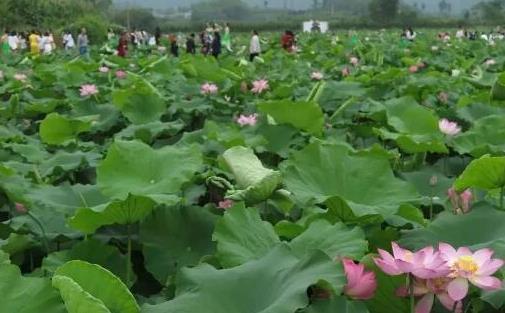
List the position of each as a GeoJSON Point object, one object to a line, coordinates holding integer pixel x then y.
{"type": "Point", "coordinates": [213, 40]}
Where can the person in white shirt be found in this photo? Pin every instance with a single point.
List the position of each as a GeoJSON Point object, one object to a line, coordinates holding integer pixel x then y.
{"type": "Point", "coordinates": [48, 42]}
{"type": "Point", "coordinates": [410, 34]}
{"type": "Point", "coordinates": [13, 41]}
{"type": "Point", "coordinates": [254, 46]}
{"type": "Point", "coordinates": [68, 41]}
{"type": "Point", "coordinates": [461, 33]}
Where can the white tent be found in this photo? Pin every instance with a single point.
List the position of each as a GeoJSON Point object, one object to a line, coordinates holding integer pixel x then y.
{"type": "Point", "coordinates": [310, 25]}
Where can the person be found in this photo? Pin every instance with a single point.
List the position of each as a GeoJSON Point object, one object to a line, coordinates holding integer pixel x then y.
{"type": "Point", "coordinates": [34, 43]}
{"type": "Point", "coordinates": [13, 41]}
{"type": "Point", "coordinates": [174, 48]}
{"type": "Point", "coordinates": [288, 41]}
{"type": "Point", "coordinates": [110, 34]}
{"type": "Point", "coordinates": [22, 41]}
{"type": "Point", "coordinates": [216, 45]}
{"type": "Point", "coordinates": [47, 44]}
{"type": "Point", "coordinates": [227, 38]}
{"type": "Point", "coordinates": [190, 44]}
{"type": "Point", "coordinates": [83, 42]}
{"type": "Point", "coordinates": [254, 46]}
{"type": "Point", "coordinates": [122, 47]}
{"type": "Point", "coordinates": [316, 27]}
{"type": "Point", "coordinates": [410, 34]}
{"type": "Point", "coordinates": [68, 41]}
{"type": "Point", "coordinates": [157, 35]}
{"type": "Point", "coordinates": [6, 49]}
{"type": "Point", "coordinates": [461, 33]}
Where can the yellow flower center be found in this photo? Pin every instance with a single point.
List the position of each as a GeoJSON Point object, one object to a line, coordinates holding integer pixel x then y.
{"type": "Point", "coordinates": [466, 263]}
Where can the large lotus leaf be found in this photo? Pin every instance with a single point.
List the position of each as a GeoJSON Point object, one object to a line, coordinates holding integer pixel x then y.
{"type": "Point", "coordinates": [4, 258]}
{"type": "Point", "coordinates": [124, 212]}
{"type": "Point", "coordinates": [485, 173]}
{"type": "Point", "coordinates": [141, 103]}
{"type": "Point", "coordinates": [205, 69]}
{"type": "Point", "coordinates": [486, 136]}
{"type": "Point", "coordinates": [487, 227]}
{"type": "Point", "coordinates": [276, 283]}
{"type": "Point", "coordinates": [337, 305]}
{"type": "Point", "coordinates": [365, 182]}
{"type": "Point", "coordinates": [26, 294]}
{"type": "Point", "coordinates": [92, 251]}
{"type": "Point", "coordinates": [56, 129]}
{"type": "Point", "coordinates": [306, 116]}
{"type": "Point", "coordinates": [255, 182]}
{"type": "Point", "coordinates": [496, 298]}
{"type": "Point", "coordinates": [134, 167]}
{"type": "Point", "coordinates": [242, 236]}
{"type": "Point", "coordinates": [107, 115]}
{"type": "Point", "coordinates": [175, 237]}
{"type": "Point", "coordinates": [416, 127]}
{"type": "Point", "coordinates": [335, 240]}
{"type": "Point", "coordinates": [76, 299]}
{"type": "Point", "coordinates": [334, 92]}
{"type": "Point", "coordinates": [68, 161]}
{"type": "Point", "coordinates": [498, 90]}
{"type": "Point", "coordinates": [148, 132]}
{"type": "Point", "coordinates": [99, 283]}
{"type": "Point", "coordinates": [421, 180]}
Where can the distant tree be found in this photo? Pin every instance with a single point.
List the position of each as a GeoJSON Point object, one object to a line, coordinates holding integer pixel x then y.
{"type": "Point", "coordinates": [384, 11]}
{"type": "Point", "coordinates": [491, 11]}
{"type": "Point", "coordinates": [216, 10]}
{"type": "Point", "coordinates": [444, 7]}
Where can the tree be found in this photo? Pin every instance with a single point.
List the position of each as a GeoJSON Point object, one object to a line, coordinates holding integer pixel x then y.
{"type": "Point", "coordinates": [384, 11]}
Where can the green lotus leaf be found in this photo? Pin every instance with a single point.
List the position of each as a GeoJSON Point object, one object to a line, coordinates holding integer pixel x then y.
{"type": "Point", "coordinates": [486, 173]}
{"type": "Point", "coordinates": [255, 183]}
{"type": "Point", "coordinates": [306, 116]}
{"type": "Point", "coordinates": [245, 288]}
{"type": "Point", "coordinates": [76, 299]}
{"type": "Point", "coordinates": [242, 236]}
{"type": "Point", "coordinates": [364, 182]}
{"type": "Point", "coordinates": [134, 167]}
{"type": "Point", "coordinates": [174, 237]}
{"type": "Point", "coordinates": [97, 282]}
{"type": "Point", "coordinates": [57, 129]}
{"type": "Point", "coordinates": [141, 103]}
{"type": "Point", "coordinates": [498, 90]}
{"type": "Point", "coordinates": [487, 136]}
{"type": "Point", "coordinates": [337, 304]}
{"type": "Point", "coordinates": [27, 294]}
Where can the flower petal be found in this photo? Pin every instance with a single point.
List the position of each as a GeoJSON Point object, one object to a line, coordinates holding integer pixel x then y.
{"type": "Point", "coordinates": [447, 252]}
{"type": "Point", "coordinates": [458, 289]}
{"type": "Point", "coordinates": [425, 304]}
{"type": "Point", "coordinates": [486, 282]}
{"type": "Point", "coordinates": [446, 301]}
{"type": "Point", "coordinates": [490, 267]}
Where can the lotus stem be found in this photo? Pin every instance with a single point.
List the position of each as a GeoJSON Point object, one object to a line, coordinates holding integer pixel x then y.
{"type": "Point", "coordinates": [129, 256]}
{"type": "Point", "coordinates": [344, 106]}
{"type": "Point", "coordinates": [502, 190]}
{"type": "Point", "coordinates": [42, 230]}
{"type": "Point", "coordinates": [410, 281]}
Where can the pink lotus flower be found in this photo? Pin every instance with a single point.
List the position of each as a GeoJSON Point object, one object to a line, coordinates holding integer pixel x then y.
{"type": "Point", "coordinates": [425, 263]}
{"type": "Point", "coordinates": [490, 62]}
{"type": "Point", "coordinates": [316, 75]}
{"type": "Point", "coordinates": [259, 86]}
{"type": "Point", "coordinates": [120, 74]}
{"type": "Point", "coordinates": [103, 69]}
{"type": "Point", "coordinates": [413, 69]}
{"type": "Point", "coordinates": [250, 120]}
{"type": "Point", "coordinates": [208, 89]}
{"type": "Point", "coordinates": [20, 208]}
{"type": "Point", "coordinates": [225, 204]}
{"type": "Point", "coordinates": [354, 61]}
{"type": "Point", "coordinates": [88, 90]}
{"type": "Point", "coordinates": [361, 284]}
{"type": "Point", "coordinates": [467, 266]}
{"type": "Point", "coordinates": [345, 72]}
{"type": "Point", "coordinates": [461, 203]}
{"type": "Point", "coordinates": [428, 289]}
{"type": "Point", "coordinates": [449, 128]}
{"type": "Point", "coordinates": [20, 77]}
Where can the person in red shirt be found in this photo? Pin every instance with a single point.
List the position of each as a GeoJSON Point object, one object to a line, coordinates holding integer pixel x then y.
{"type": "Point", "coordinates": [122, 47]}
{"type": "Point", "coordinates": [288, 41]}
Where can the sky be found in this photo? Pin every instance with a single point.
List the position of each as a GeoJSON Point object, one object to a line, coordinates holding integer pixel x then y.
{"type": "Point", "coordinates": [431, 5]}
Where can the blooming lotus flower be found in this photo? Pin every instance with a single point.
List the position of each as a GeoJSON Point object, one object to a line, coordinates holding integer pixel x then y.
{"type": "Point", "coordinates": [345, 72]}
{"type": "Point", "coordinates": [361, 284]}
{"type": "Point", "coordinates": [354, 61]}
{"type": "Point", "coordinates": [88, 90]}
{"type": "Point", "coordinates": [449, 128]}
{"type": "Point", "coordinates": [259, 86]}
{"type": "Point", "coordinates": [428, 289]}
{"type": "Point", "coordinates": [120, 74]}
{"type": "Point", "coordinates": [225, 204]}
{"type": "Point", "coordinates": [20, 77]}
{"type": "Point", "coordinates": [250, 120]}
{"type": "Point", "coordinates": [490, 62]}
{"type": "Point", "coordinates": [413, 68]}
{"type": "Point", "coordinates": [103, 69]}
{"type": "Point", "coordinates": [316, 76]}
{"type": "Point", "coordinates": [208, 89]}
{"type": "Point", "coordinates": [467, 266]}
{"type": "Point", "coordinates": [425, 263]}
{"type": "Point", "coordinates": [20, 208]}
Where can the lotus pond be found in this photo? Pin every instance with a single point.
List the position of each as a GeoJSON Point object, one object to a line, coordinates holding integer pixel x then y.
{"type": "Point", "coordinates": [160, 185]}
